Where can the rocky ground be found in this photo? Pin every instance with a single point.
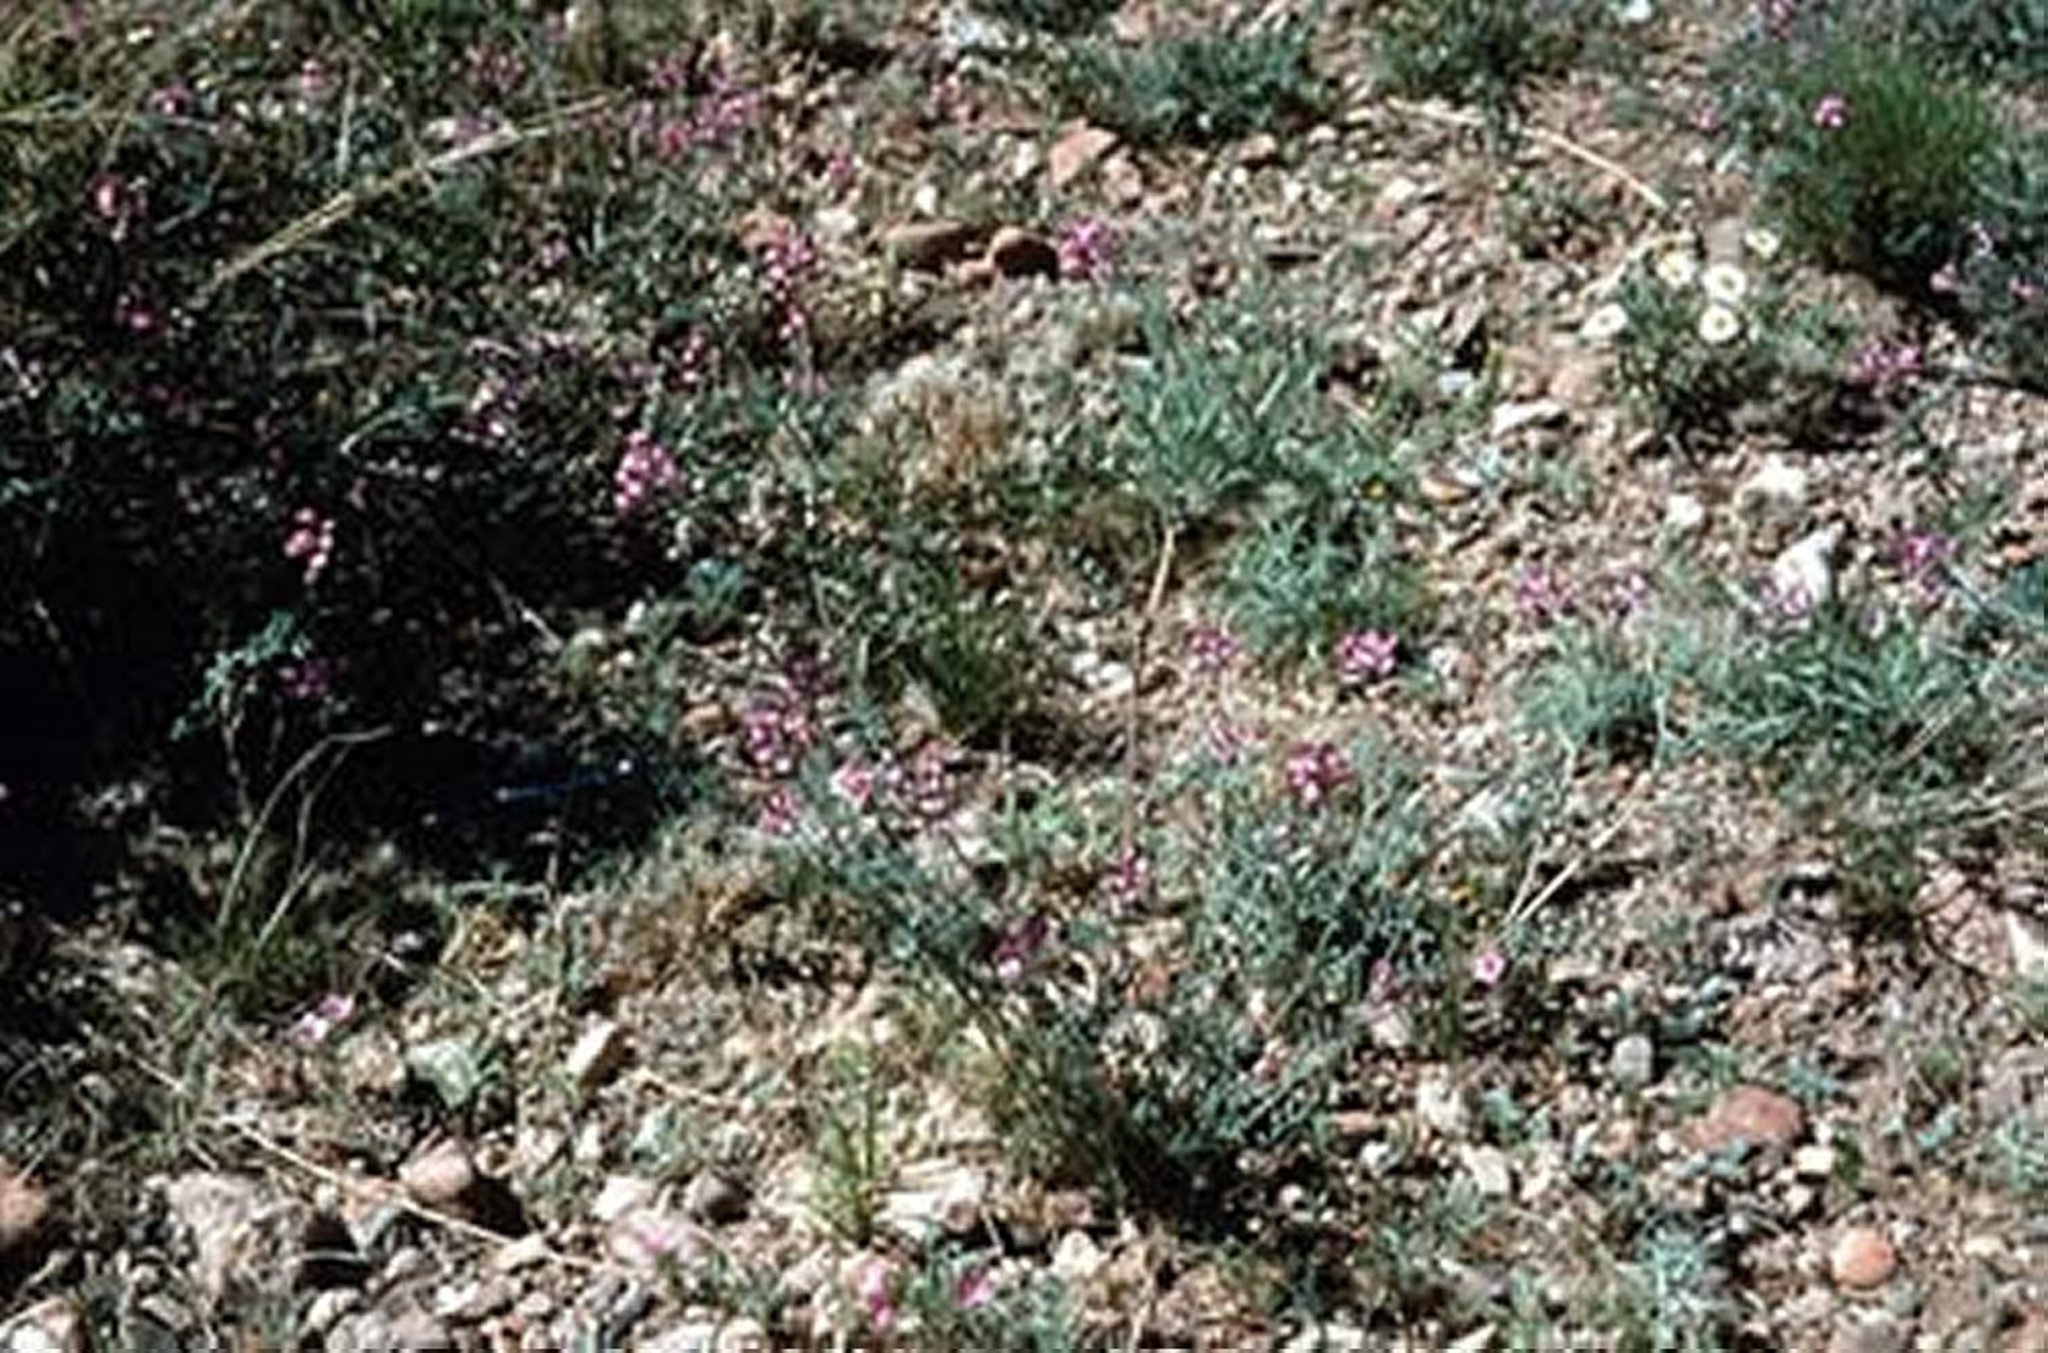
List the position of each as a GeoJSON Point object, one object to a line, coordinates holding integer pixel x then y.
{"type": "Point", "coordinates": [1690, 1103]}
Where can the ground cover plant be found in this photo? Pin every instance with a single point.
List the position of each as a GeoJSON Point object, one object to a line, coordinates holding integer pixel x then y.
{"type": "Point", "coordinates": [1031, 675]}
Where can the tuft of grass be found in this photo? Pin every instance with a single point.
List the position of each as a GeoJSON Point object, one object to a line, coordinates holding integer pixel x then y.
{"type": "Point", "coordinates": [1062, 17]}
{"type": "Point", "coordinates": [1203, 88]}
{"type": "Point", "coordinates": [1870, 156]}
{"type": "Point", "coordinates": [1485, 52]}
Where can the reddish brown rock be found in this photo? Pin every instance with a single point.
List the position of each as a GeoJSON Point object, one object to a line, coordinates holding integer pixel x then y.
{"type": "Point", "coordinates": [1077, 150]}
{"type": "Point", "coordinates": [1862, 1258]}
{"type": "Point", "coordinates": [24, 1209]}
{"type": "Point", "coordinates": [1016, 252]}
{"type": "Point", "coordinates": [1765, 1119]}
{"type": "Point", "coordinates": [2030, 1335]}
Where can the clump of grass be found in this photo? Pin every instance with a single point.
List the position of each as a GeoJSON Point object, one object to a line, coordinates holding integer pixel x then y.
{"type": "Point", "coordinates": [1485, 52]}
{"type": "Point", "coordinates": [1869, 155]}
{"type": "Point", "coordinates": [1203, 88]}
{"type": "Point", "coordinates": [1065, 17]}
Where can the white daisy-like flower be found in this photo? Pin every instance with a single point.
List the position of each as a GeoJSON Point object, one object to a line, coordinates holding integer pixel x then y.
{"type": "Point", "coordinates": [1719, 324]}
{"type": "Point", "coordinates": [1606, 323]}
{"type": "Point", "coordinates": [1678, 268]}
{"type": "Point", "coordinates": [1725, 283]}
{"type": "Point", "coordinates": [1762, 242]}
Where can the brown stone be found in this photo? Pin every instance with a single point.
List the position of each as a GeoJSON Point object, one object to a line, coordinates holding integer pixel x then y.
{"type": "Point", "coordinates": [1077, 150]}
{"type": "Point", "coordinates": [930, 245]}
{"type": "Point", "coordinates": [2030, 1335]}
{"type": "Point", "coordinates": [440, 1176]}
{"type": "Point", "coordinates": [1017, 252]}
{"type": "Point", "coordinates": [24, 1209]}
{"type": "Point", "coordinates": [1763, 1118]}
{"type": "Point", "coordinates": [1861, 1257]}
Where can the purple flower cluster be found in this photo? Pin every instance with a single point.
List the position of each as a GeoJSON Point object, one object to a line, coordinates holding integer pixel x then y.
{"type": "Point", "coordinates": [1542, 595]}
{"type": "Point", "coordinates": [1213, 648]}
{"type": "Point", "coordinates": [1087, 249]}
{"type": "Point", "coordinates": [1366, 655]}
{"type": "Point", "coordinates": [1316, 771]}
{"type": "Point", "coordinates": [786, 263]}
{"type": "Point", "coordinates": [645, 470]}
{"type": "Point", "coordinates": [311, 542]}
{"type": "Point", "coordinates": [1885, 366]}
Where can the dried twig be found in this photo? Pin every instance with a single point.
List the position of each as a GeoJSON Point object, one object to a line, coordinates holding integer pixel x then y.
{"type": "Point", "coordinates": [1543, 136]}
{"type": "Point", "coordinates": [1524, 909]}
{"type": "Point", "coordinates": [1146, 620]}
{"type": "Point", "coordinates": [348, 202]}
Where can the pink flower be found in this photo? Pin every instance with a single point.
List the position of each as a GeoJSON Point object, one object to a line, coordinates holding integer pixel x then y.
{"type": "Point", "coordinates": [873, 1287]}
{"type": "Point", "coordinates": [311, 541]}
{"type": "Point", "coordinates": [329, 1013]}
{"type": "Point", "coordinates": [927, 786]}
{"type": "Point", "coordinates": [974, 1290]}
{"type": "Point", "coordinates": [779, 812]}
{"type": "Point", "coordinates": [1542, 595]}
{"type": "Point", "coordinates": [774, 731]}
{"type": "Point", "coordinates": [1924, 558]}
{"type": "Point", "coordinates": [854, 782]}
{"type": "Point", "coordinates": [1831, 113]}
{"type": "Point", "coordinates": [645, 469]}
{"type": "Point", "coordinates": [1019, 945]}
{"type": "Point", "coordinates": [1227, 741]}
{"type": "Point", "coordinates": [1315, 771]}
{"type": "Point", "coordinates": [1128, 879]}
{"type": "Point", "coordinates": [307, 680]}
{"type": "Point", "coordinates": [1366, 655]}
{"type": "Point", "coordinates": [1087, 249]}
{"type": "Point", "coordinates": [1213, 648]}
{"type": "Point", "coordinates": [170, 100]}
{"type": "Point", "coordinates": [1489, 965]}
{"type": "Point", "coordinates": [1885, 366]}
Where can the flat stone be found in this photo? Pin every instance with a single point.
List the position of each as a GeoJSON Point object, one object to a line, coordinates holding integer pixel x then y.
{"type": "Point", "coordinates": [439, 1176]}
{"type": "Point", "coordinates": [53, 1326]}
{"type": "Point", "coordinates": [1633, 1062]}
{"type": "Point", "coordinates": [1489, 1169]}
{"type": "Point", "coordinates": [1776, 492]}
{"type": "Point", "coordinates": [1762, 1118]}
{"type": "Point", "coordinates": [1441, 1106]}
{"type": "Point", "coordinates": [1814, 1162]}
{"type": "Point", "coordinates": [711, 1197]}
{"type": "Point", "coordinates": [601, 1050]}
{"type": "Point", "coordinates": [1513, 416]}
{"type": "Point", "coordinates": [1077, 150]}
{"type": "Point", "coordinates": [1868, 1333]}
{"type": "Point", "coordinates": [620, 1194]}
{"type": "Point", "coordinates": [1861, 1258]}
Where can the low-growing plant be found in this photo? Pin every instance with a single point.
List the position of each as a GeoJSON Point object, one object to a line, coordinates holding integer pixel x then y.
{"type": "Point", "coordinates": [1064, 17]}
{"type": "Point", "coordinates": [1178, 1088]}
{"type": "Point", "coordinates": [1706, 350]}
{"type": "Point", "coordinates": [1206, 87]}
{"type": "Point", "coordinates": [1870, 157]}
{"type": "Point", "coordinates": [851, 1171]}
{"type": "Point", "coordinates": [1486, 52]}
